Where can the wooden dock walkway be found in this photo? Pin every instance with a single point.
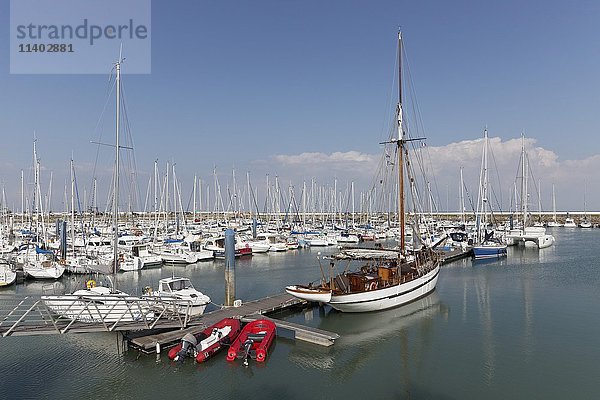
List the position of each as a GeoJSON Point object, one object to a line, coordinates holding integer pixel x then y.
{"type": "Point", "coordinates": [246, 312]}
{"type": "Point", "coordinates": [455, 254]}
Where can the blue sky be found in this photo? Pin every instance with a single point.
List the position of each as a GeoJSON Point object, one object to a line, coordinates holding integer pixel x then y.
{"type": "Point", "coordinates": [250, 84]}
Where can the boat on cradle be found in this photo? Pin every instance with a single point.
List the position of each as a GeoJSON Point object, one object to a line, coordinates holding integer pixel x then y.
{"type": "Point", "coordinates": [205, 344]}
{"type": "Point", "coordinates": [7, 273]}
{"type": "Point", "coordinates": [253, 341]}
{"type": "Point", "coordinates": [380, 284]}
{"type": "Point", "coordinates": [182, 294]}
{"type": "Point", "coordinates": [99, 304]}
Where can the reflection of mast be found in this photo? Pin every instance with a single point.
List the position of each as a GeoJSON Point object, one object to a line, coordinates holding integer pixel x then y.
{"type": "Point", "coordinates": [528, 310]}
{"type": "Point", "coordinates": [485, 311]}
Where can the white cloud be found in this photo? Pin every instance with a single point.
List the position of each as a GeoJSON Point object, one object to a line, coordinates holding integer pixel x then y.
{"type": "Point", "coordinates": [337, 159]}
{"type": "Point", "coordinates": [444, 162]}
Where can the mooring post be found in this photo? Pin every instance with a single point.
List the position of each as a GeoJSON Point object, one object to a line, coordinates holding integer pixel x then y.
{"type": "Point", "coordinates": [229, 267]}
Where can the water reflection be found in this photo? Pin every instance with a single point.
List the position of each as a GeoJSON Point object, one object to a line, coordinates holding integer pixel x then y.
{"type": "Point", "coordinates": [362, 335]}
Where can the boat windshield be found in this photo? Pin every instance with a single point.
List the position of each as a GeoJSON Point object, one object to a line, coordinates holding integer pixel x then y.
{"type": "Point", "coordinates": [181, 284]}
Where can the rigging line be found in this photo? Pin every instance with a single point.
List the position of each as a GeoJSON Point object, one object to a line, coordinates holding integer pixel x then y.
{"type": "Point", "coordinates": [132, 181]}
{"type": "Point", "coordinates": [100, 119]}
{"type": "Point", "coordinates": [390, 109]}
{"type": "Point", "coordinates": [497, 177]}
{"type": "Point", "coordinates": [535, 186]}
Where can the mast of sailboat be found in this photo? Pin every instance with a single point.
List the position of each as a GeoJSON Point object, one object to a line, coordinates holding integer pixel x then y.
{"type": "Point", "coordinates": [72, 209]}
{"type": "Point", "coordinates": [400, 148]}
{"type": "Point", "coordinates": [462, 197]}
{"type": "Point", "coordinates": [553, 204]}
{"type": "Point", "coordinates": [400, 145]}
{"type": "Point", "coordinates": [116, 180]}
{"type": "Point", "coordinates": [524, 181]}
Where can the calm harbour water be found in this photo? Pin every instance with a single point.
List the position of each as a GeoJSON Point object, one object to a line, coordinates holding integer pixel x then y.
{"type": "Point", "coordinates": [526, 327]}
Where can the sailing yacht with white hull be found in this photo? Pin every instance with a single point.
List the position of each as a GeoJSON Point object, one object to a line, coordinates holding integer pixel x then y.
{"type": "Point", "coordinates": [104, 303]}
{"type": "Point", "coordinates": [408, 276]}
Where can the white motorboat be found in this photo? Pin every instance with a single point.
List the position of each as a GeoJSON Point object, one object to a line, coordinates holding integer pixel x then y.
{"type": "Point", "coordinates": [570, 223]}
{"type": "Point", "coordinates": [345, 237]}
{"type": "Point", "coordinates": [143, 257]}
{"type": "Point", "coordinates": [99, 304]}
{"type": "Point", "coordinates": [185, 298]}
{"type": "Point", "coordinates": [275, 242]}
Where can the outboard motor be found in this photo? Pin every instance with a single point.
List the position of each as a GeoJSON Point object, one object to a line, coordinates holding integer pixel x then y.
{"type": "Point", "coordinates": [247, 346]}
{"type": "Point", "coordinates": [188, 346]}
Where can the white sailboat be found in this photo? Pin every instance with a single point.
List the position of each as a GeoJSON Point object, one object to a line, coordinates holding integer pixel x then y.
{"type": "Point", "coordinates": [41, 263]}
{"type": "Point", "coordinates": [531, 236]}
{"type": "Point", "coordinates": [382, 285]}
{"type": "Point", "coordinates": [487, 246]}
{"type": "Point", "coordinates": [104, 303]}
{"type": "Point", "coordinates": [7, 273]}
{"type": "Point", "coordinates": [585, 222]}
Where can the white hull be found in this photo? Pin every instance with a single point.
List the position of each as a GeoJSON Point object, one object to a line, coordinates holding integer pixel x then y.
{"type": "Point", "coordinates": [178, 258]}
{"type": "Point", "coordinates": [259, 247]}
{"type": "Point", "coordinates": [204, 255]}
{"type": "Point", "coordinates": [150, 261]}
{"type": "Point", "coordinates": [317, 242]}
{"type": "Point", "coordinates": [382, 299]}
{"type": "Point", "coordinates": [277, 247]}
{"type": "Point", "coordinates": [7, 275]}
{"type": "Point", "coordinates": [90, 305]}
{"type": "Point", "coordinates": [545, 241]}
{"type": "Point", "coordinates": [178, 295]}
{"type": "Point", "coordinates": [134, 264]}
{"type": "Point", "coordinates": [38, 270]}
{"type": "Point", "coordinates": [309, 294]}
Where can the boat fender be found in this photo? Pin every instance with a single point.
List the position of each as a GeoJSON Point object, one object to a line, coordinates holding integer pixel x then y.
{"type": "Point", "coordinates": [373, 286]}
{"type": "Point", "coordinates": [90, 284]}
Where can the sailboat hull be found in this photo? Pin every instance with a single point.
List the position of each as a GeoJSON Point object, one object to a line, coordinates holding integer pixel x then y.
{"type": "Point", "coordinates": [389, 297]}
{"type": "Point", "coordinates": [482, 252]}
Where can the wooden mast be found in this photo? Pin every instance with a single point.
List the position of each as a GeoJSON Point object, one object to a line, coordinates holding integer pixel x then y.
{"type": "Point", "coordinates": [400, 144]}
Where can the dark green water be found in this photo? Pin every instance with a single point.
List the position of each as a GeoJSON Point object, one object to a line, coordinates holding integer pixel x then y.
{"type": "Point", "coordinates": [527, 327]}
